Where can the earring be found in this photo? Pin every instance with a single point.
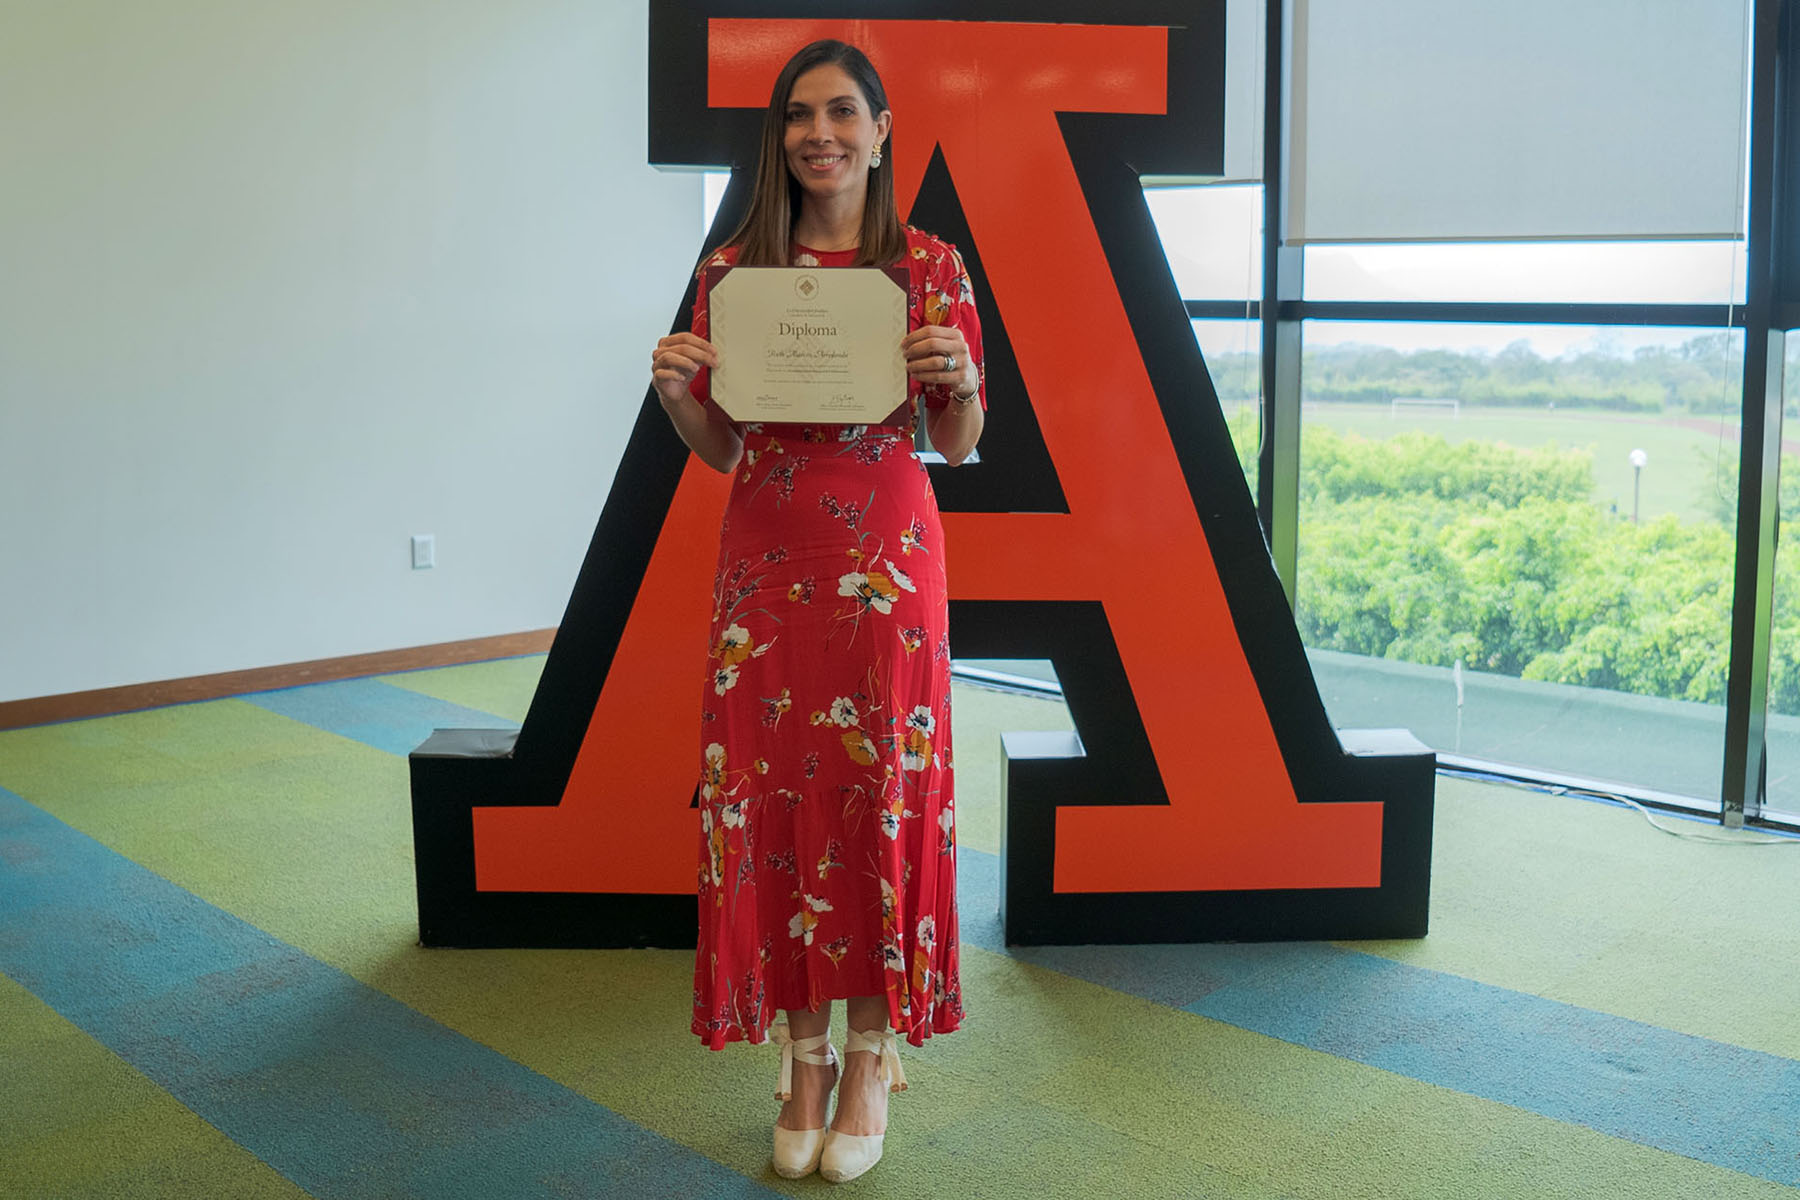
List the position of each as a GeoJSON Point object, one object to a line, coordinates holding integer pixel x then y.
{"type": "Point", "coordinates": [875, 157]}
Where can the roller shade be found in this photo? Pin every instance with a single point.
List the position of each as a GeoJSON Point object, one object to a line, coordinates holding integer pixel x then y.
{"type": "Point", "coordinates": [1427, 120]}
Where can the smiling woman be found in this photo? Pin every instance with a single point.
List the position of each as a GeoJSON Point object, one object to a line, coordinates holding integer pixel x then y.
{"type": "Point", "coordinates": [832, 142]}
{"type": "Point", "coordinates": [827, 857]}
{"type": "Point", "coordinates": [820, 176]}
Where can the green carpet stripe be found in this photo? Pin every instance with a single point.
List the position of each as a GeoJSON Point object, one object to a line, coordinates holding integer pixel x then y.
{"type": "Point", "coordinates": [339, 1087]}
{"type": "Point", "coordinates": [80, 1121]}
{"type": "Point", "coordinates": [500, 685]}
{"type": "Point", "coordinates": [1703, 1099]}
{"type": "Point", "coordinates": [1592, 906]}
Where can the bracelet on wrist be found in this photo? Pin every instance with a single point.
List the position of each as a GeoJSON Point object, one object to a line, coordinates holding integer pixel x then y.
{"type": "Point", "coordinates": [965, 401]}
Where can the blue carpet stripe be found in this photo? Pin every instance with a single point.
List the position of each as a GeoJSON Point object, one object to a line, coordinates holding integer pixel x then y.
{"type": "Point", "coordinates": [1720, 1103]}
{"type": "Point", "coordinates": [1712, 1101]}
{"type": "Point", "coordinates": [342, 1089]}
{"type": "Point", "coordinates": [394, 719]}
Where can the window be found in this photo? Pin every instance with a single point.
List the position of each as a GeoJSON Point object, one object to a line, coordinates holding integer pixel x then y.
{"type": "Point", "coordinates": [1233, 354]}
{"type": "Point", "coordinates": [1518, 543]}
{"type": "Point", "coordinates": [1783, 798]}
{"type": "Point", "coordinates": [1212, 235]}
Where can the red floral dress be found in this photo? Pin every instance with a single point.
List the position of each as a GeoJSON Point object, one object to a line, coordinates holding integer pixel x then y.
{"type": "Point", "coordinates": [827, 820]}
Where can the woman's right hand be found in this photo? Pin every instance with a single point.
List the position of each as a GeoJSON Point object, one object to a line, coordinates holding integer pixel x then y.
{"type": "Point", "coordinates": [678, 358]}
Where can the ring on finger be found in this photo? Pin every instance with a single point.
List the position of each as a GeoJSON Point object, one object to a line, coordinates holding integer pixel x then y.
{"type": "Point", "coordinates": [949, 362]}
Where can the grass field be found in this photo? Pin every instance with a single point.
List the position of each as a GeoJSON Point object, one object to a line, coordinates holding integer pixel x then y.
{"type": "Point", "coordinates": [1688, 457]}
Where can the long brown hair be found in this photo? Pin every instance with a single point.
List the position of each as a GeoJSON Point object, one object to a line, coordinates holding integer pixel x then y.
{"type": "Point", "coordinates": [766, 236]}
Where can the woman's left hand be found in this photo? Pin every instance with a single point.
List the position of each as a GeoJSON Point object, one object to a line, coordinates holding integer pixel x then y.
{"type": "Point", "coordinates": [939, 354]}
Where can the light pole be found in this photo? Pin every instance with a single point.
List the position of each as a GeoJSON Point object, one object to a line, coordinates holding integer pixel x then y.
{"type": "Point", "coordinates": [1638, 459]}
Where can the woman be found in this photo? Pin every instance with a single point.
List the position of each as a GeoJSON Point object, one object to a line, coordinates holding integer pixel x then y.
{"type": "Point", "coordinates": [828, 865]}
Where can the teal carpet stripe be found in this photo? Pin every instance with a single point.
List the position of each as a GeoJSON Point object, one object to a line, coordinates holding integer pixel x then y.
{"type": "Point", "coordinates": [374, 713]}
{"type": "Point", "coordinates": [1708, 1100]}
{"type": "Point", "coordinates": [342, 1089]}
{"type": "Point", "coordinates": [1712, 1101]}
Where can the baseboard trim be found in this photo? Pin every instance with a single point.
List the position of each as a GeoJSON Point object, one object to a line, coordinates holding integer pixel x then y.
{"type": "Point", "coordinates": [103, 702]}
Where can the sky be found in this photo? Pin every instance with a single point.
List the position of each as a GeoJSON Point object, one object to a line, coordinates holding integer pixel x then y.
{"type": "Point", "coordinates": [1548, 341]}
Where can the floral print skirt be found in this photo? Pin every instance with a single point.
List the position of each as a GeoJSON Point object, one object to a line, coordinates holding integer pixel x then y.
{"type": "Point", "coordinates": [827, 848]}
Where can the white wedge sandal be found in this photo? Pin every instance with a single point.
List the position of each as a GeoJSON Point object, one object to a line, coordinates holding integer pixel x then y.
{"type": "Point", "coordinates": [797, 1150]}
{"type": "Point", "coordinates": [847, 1155]}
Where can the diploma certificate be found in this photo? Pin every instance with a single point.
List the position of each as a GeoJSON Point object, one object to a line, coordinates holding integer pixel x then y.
{"type": "Point", "coordinates": [808, 344]}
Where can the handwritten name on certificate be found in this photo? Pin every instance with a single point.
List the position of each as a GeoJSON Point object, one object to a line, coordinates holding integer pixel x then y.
{"type": "Point", "coordinates": [808, 344]}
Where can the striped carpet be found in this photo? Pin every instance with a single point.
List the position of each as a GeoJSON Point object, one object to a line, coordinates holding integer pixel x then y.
{"type": "Point", "coordinates": [209, 986]}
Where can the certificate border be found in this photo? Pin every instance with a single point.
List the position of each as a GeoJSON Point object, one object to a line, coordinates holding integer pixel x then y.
{"type": "Point", "coordinates": [897, 273]}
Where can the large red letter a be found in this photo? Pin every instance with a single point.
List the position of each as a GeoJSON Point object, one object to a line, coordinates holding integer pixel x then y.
{"type": "Point", "coordinates": [1207, 797]}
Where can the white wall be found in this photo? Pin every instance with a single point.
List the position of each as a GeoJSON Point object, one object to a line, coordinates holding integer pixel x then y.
{"type": "Point", "coordinates": [284, 283]}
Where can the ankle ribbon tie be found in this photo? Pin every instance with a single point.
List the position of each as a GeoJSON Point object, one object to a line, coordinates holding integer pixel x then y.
{"type": "Point", "coordinates": [884, 1044]}
{"type": "Point", "coordinates": [802, 1049]}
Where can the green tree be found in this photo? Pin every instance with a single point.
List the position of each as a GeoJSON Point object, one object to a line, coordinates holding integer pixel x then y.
{"type": "Point", "coordinates": [1700, 376]}
{"type": "Point", "coordinates": [1418, 550]}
